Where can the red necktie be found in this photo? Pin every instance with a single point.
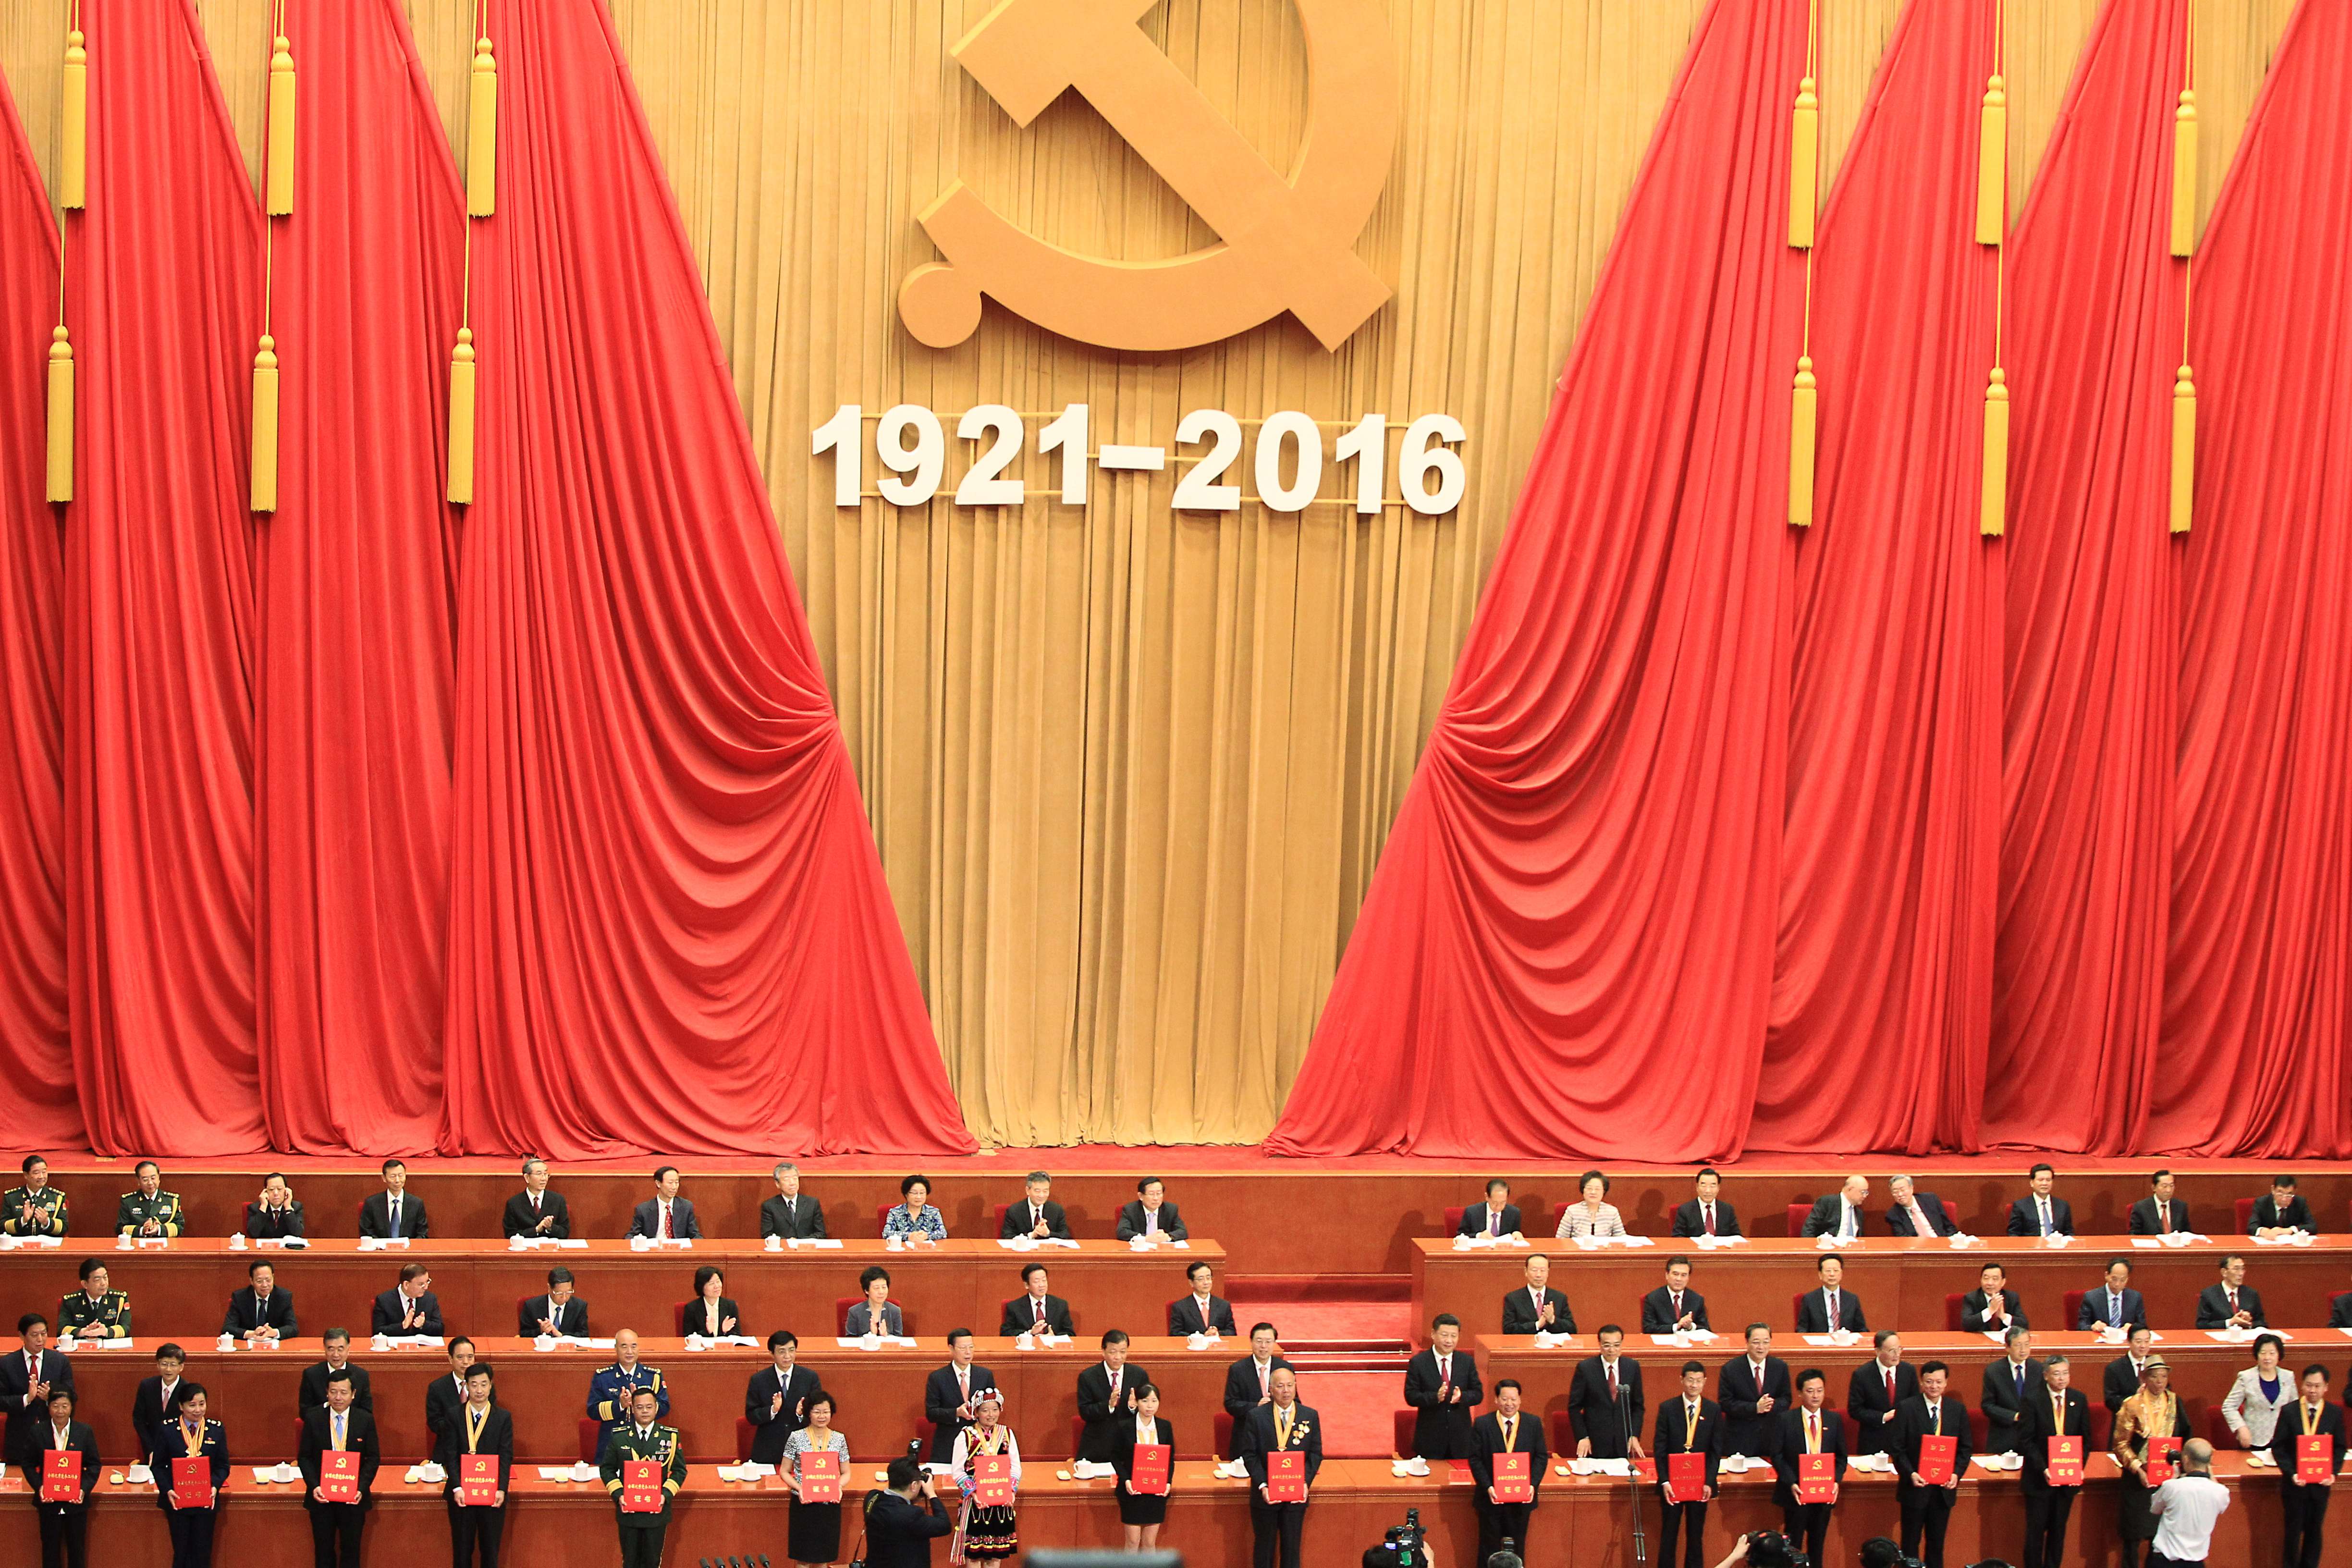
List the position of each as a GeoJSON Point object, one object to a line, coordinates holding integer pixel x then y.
{"type": "Point", "coordinates": [1676, 1296]}
{"type": "Point", "coordinates": [1890, 1388]}
{"type": "Point", "coordinates": [1611, 1369]}
{"type": "Point", "coordinates": [1039, 1303]}
{"type": "Point", "coordinates": [1708, 1210]}
{"type": "Point", "coordinates": [2233, 1303]}
{"type": "Point", "coordinates": [2166, 1210]}
{"type": "Point", "coordinates": [665, 1222]}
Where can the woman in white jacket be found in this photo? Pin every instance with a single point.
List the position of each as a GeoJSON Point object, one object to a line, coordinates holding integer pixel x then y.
{"type": "Point", "coordinates": [2257, 1397]}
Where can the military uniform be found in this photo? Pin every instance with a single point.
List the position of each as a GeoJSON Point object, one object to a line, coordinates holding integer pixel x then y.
{"type": "Point", "coordinates": [608, 1396]}
{"type": "Point", "coordinates": [49, 1213]}
{"type": "Point", "coordinates": [642, 1533]}
{"type": "Point", "coordinates": [131, 1217]}
{"type": "Point", "coordinates": [108, 1318]}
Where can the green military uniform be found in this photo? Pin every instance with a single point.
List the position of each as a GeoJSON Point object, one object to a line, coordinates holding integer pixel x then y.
{"type": "Point", "coordinates": [137, 1208]}
{"type": "Point", "coordinates": [49, 1212]}
{"type": "Point", "coordinates": [108, 1318]}
{"type": "Point", "coordinates": [642, 1533]}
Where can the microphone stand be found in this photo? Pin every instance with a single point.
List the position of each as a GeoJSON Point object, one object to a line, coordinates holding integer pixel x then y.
{"type": "Point", "coordinates": [1633, 1482]}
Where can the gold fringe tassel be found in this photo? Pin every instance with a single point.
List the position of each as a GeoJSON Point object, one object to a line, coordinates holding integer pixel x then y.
{"type": "Point", "coordinates": [1804, 163]}
{"type": "Point", "coordinates": [281, 129]}
{"type": "Point", "coordinates": [2184, 448]}
{"type": "Point", "coordinates": [265, 425]}
{"type": "Point", "coordinates": [482, 135]}
{"type": "Point", "coordinates": [73, 171]}
{"type": "Point", "coordinates": [1992, 162]}
{"type": "Point", "coordinates": [61, 417]}
{"type": "Point", "coordinates": [1994, 517]}
{"type": "Point", "coordinates": [461, 419]}
{"type": "Point", "coordinates": [2184, 175]}
{"type": "Point", "coordinates": [1803, 424]}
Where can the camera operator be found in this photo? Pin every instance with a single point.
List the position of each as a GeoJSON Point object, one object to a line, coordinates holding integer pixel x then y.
{"type": "Point", "coordinates": [1404, 1546]}
{"type": "Point", "coordinates": [899, 1532]}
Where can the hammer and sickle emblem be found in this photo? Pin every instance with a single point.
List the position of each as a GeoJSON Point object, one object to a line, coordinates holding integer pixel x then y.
{"type": "Point", "coordinates": [1284, 243]}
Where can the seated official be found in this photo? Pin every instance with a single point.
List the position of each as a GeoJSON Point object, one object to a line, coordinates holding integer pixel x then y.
{"type": "Point", "coordinates": [2160, 1212]}
{"type": "Point", "coordinates": [409, 1308]}
{"type": "Point", "coordinates": [912, 1218]}
{"type": "Point", "coordinates": [27, 1377]}
{"type": "Point", "coordinates": [275, 1215]}
{"type": "Point", "coordinates": [2257, 1394]}
{"type": "Point", "coordinates": [1506, 1430]}
{"type": "Point", "coordinates": [2114, 1303]}
{"type": "Point", "coordinates": [902, 1520]}
{"type": "Point", "coordinates": [157, 1401]}
{"type": "Point", "coordinates": [560, 1313]}
{"type": "Point", "coordinates": [35, 1207]}
{"type": "Point", "coordinates": [1591, 1215]}
{"type": "Point", "coordinates": [312, 1395]}
{"type": "Point", "coordinates": [1107, 1392]}
{"type": "Point", "coordinates": [792, 1214]}
{"type": "Point", "coordinates": [2230, 1302]}
{"type": "Point", "coordinates": [712, 1314]}
{"type": "Point", "coordinates": [1034, 1310]}
{"type": "Point", "coordinates": [147, 1212]}
{"type": "Point", "coordinates": [1140, 1514]}
{"type": "Point", "coordinates": [1876, 1390]}
{"type": "Point", "coordinates": [2339, 1310]}
{"type": "Point", "coordinates": [2011, 1385]}
{"type": "Point", "coordinates": [1706, 1213]}
{"type": "Point", "coordinates": [1674, 1306]}
{"type": "Point", "coordinates": [2060, 1411]}
{"type": "Point", "coordinates": [2121, 1377]}
{"type": "Point", "coordinates": [1839, 1214]}
{"type": "Point", "coordinates": [1689, 1423]}
{"type": "Point", "coordinates": [480, 1427]}
{"type": "Point", "coordinates": [665, 1216]}
{"type": "Point", "coordinates": [611, 1390]}
{"type": "Point", "coordinates": [1498, 1217]}
{"type": "Point", "coordinates": [1993, 1308]}
{"type": "Point", "coordinates": [64, 1526]}
{"type": "Point", "coordinates": [1281, 1424]}
{"type": "Point", "coordinates": [878, 1314]}
{"type": "Point", "coordinates": [2040, 1212]}
{"type": "Point", "coordinates": [1199, 1310]}
{"type": "Point", "coordinates": [1149, 1213]}
{"type": "Point", "coordinates": [338, 1426]}
{"type": "Point", "coordinates": [96, 1310]}
{"type": "Point", "coordinates": [950, 1395]}
{"type": "Point", "coordinates": [776, 1400]}
{"type": "Point", "coordinates": [1442, 1387]}
{"type": "Point", "coordinates": [1807, 1428]}
{"type": "Point", "coordinates": [395, 1213]}
{"type": "Point", "coordinates": [1604, 1401]}
{"type": "Point", "coordinates": [260, 1310]}
{"type": "Point", "coordinates": [1535, 1307]}
{"type": "Point", "coordinates": [1036, 1216]}
{"type": "Point", "coordinates": [2281, 1211]}
{"type": "Point", "coordinates": [1829, 1306]}
{"type": "Point", "coordinates": [536, 1211]}
{"type": "Point", "coordinates": [444, 1396]}
{"type": "Point", "coordinates": [1249, 1382]}
{"type": "Point", "coordinates": [1915, 1212]}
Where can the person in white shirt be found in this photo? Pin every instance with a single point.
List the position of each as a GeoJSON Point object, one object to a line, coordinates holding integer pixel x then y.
{"type": "Point", "coordinates": [2186, 1508]}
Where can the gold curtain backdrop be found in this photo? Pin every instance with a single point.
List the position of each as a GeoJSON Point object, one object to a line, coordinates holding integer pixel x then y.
{"type": "Point", "coordinates": [1131, 771]}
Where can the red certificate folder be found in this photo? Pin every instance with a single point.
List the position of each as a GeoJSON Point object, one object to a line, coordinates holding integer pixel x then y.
{"type": "Point", "coordinates": [991, 1476]}
{"type": "Point", "coordinates": [1936, 1457]}
{"type": "Point", "coordinates": [641, 1486]}
{"type": "Point", "coordinates": [1151, 1465]}
{"type": "Point", "coordinates": [2162, 1461]}
{"type": "Point", "coordinates": [1286, 1476]}
{"type": "Point", "coordinates": [820, 1477]}
{"type": "Point", "coordinates": [2315, 1459]}
{"type": "Point", "coordinates": [2065, 1461]}
{"type": "Point", "coordinates": [61, 1476]}
{"type": "Point", "coordinates": [192, 1482]}
{"type": "Point", "coordinates": [477, 1479]}
{"type": "Point", "coordinates": [1685, 1477]}
{"type": "Point", "coordinates": [1816, 1477]}
{"type": "Point", "coordinates": [1512, 1483]}
{"type": "Point", "coordinates": [1646, 1472]}
{"type": "Point", "coordinates": [339, 1475]}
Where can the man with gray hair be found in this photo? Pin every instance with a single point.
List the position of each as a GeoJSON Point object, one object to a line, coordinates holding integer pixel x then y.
{"type": "Point", "coordinates": [1036, 1216]}
{"type": "Point", "coordinates": [788, 1213]}
{"type": "Point", "coordinates": [1915, 1212]}
{"type": "Point", "coordinates": [2186, 1508]}
{"type": "Point", "coordinates": [535, 1211]}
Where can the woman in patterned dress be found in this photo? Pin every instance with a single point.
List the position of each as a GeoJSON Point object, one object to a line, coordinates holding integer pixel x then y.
{"type": "Point", "coordinates": [813, 1535]}
{"type": "Point", "coordinates": [989, 1534]}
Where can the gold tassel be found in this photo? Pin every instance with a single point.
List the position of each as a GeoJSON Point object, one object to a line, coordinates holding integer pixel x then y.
{"type": "Point", "coordinates": [1801, 430]}
{"type": "Point", "coordinates": [1804, 165]}
{"type": "Point", "coordinates": [2184, 448]}
{"type": "Point", "coordinates": [1995, 511]}
{"type": "Point", "coordinates": [461, 420]}
{"type": "Point", "coordinates": [2184, 175]}
{"type": "Point", "coordinates": [482, 135]}
{"type": "Point", "coordinates": [265, 425]}
{"type": "Point", "coordinates": [73, 176]}
{"type": "Point", "coordinates": [1992, 162]}
{"type": "Point", "coordinates": [61, 417]}
{"type": "Point", "coordinates": [282, 130]}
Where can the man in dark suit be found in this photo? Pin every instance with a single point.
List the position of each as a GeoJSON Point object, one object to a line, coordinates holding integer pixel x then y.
{"type": "Point", "coordinates": [2060, 1410]}
{"type": "Point", "coordinates": [1689, 1423]}
{"type": "Point", "coordinates": [1249, 1382]}
{"type": "Point", "coordinates": [260, 1310]}
{"type": "Point", "coordinates": [1505, 1430]}
{"type": "Point", "coordinates": [1106, 1392]}
{"type": "Point", "coordinates": [1200, 1309]}
{"type": "Point", "coordinates": [1933, 1412]}
{"type": "Point", "coordinates": [902, 1521]}
{"type": "Point", "coordinates": [2228, 1301]}
{"type": "Point", "coordinates": [1498, 1217]}
{"type": "Point", "coordinates": [2304, 1505]}
{"type": "Point", "coordinates": [28, 1378]}
{"type": "Point", "coordinates": [1993, 1308]}
{"type": "Point", "coordinates": [948, 1394]}
{"type": "Point", "coordinates": [1808, 1428]}
{"type": "Point", "coordinates": [312, 1392]}
{"type": "Point", "coordinates": [790, 1214]}
{"type": "Point", "coordinates": [560, 1313]}
{"type": "Point", "coordinates": [1829, 1305]}
{"type": "Point", "coordinates": [1442, 1387]}
{"type": "Point", "coordinates": [1673, 1305]}
{"type": "Point", "coordinates": [2121, 1379]}
{"type": "Point", "coordinates": [337, 1426]}
{"type": "Point", "coordinates": [1914, 1212]}
{"type": "Point", "coordinates": [410, 1307]}
{"type": "Point", "coordinates": [1150, 1213]}
{"type": "Point", "coordinates": [1754, 1388]}
{"type": "Point", "coordinates": [2114, 1302]}
{"type": "Point", "coordinates": [2011, 1387]}
{"type": "Point", "coordinates": [1839, 1214]}
{"type": "Point", "coordinates": [157, 1401]}
{"type": "Point", "coordinates": [2281, 1211]}
{"type": "Point", "coordinates": [1280, 1424]}
{"type": "Point", "coordinates": [1604, 1401]}
{"type": "Point", "coordinates": [1036, 1214]}
{"type": "Point", "coordinates": [275, 1215]}
{"type": "Point", "coordinates": [395, 1212]}
{"type": "Point", "coordinates": [2040, 1212]}
{"type": "Point", "coordinates": [535, 1211]}
{"type": "Point", "coordinates": [446, 1396]}
{"type": "Point", "coordinates": [665, 1216]}
{"type": "Point", "coordinates": [481, 1427]}
{"type": "Point", "coordinates": [1035, 1308]}
{"type": "Point", "coordinates": [1707, 1215]}
{"type": "Point", "coordinates": [1876, 1391]}
{"type": "Point", "coordinates": [776, 1401]}
{"type": "Point", "coordinates": [2339, 1310]}
{"type": "Point", "coordinates": [2160, 1212]}
{"type": "Point", "coordinates": [1535, 1306]}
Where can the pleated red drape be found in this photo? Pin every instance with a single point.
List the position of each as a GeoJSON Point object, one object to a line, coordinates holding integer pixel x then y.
{"type": "Point", "coordinates": [2256, 1045]}
{"type": "Point", "coordinates": [163, 290]}
{"type": "Point", "coordinates": [1572, 924]}
{"type": "Point", "coordinates": [37, 1084]}
{"type": "Point", "coordinates": [668, 924]}
{"type": "Point", "coordinates": [2086, 836]}
{"type": "Point", "coordinates": [357, 590]}
{"type": "Point", "coordinates": [1888, 858]}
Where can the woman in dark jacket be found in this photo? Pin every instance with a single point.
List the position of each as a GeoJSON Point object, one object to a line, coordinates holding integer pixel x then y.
{"type": "Point", "coordinates": [710, 1314]}
{"type": "Point", "coordinates": [1141, 1512]}
{"type": "Point", "coordinates": [193, 1437]}
{"type": "Point", "coordinates": [65, 1526]}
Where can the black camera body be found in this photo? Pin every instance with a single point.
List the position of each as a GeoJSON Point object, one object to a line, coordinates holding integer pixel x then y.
{"type": "Point", "coordinates": [1402, 1545]}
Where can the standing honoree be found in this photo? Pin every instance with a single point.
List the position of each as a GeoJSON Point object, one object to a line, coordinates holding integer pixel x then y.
{"type": "Point", "coordinates": [338, 1426]}
{"type": "Point", "coordinates": [535, 1211]}
{"type": "Point", "coordinates": [1927, 1506]}
{"type": "Point", "coordinates": [813, 1535]}
{"type": "Point", "coordinates": [641, 1438]}
{"type": "Point", "coordinates": [147, 1212]}
{"type": "Point", "coordinates": [776, 1402]}
{"type": "Point", "coordinates": [2060, 1410]}
{"type": "Point", "coordinates": [481, 1427]}
{"type": "Point", "coordinates": [991, 1533]}
{"type": "Point", "coordinates": [194, 1436]}
{"type": "Point", "coordinates": [65, 1526]}
{"type": "Point", "coordinates": [1140, 1514]}
{"type": "Point", "coordinates": [2152, 1412]}
{"type": "Point", "coordinates": [1604, 1401]}
{"type": "Point", "coordinates": [35, 1207]}
{"type": "Point", "coordinates": [95, 1312]}
{"type": "Point", "coordinates": [1442, 1386]}
{"type": "Point", "coordinates": [1505, 1429]}
{"type": "Point", "coordinates": [395, 1213]}
{"type": "Point", "coordinates": [1689, 1424]}
{"type": "Point", "coordinates": [2305, 1503]}
{"type": "Point", "coordinates": [1281, 1424]}
{"type": "Point", "coordinates": [1808, 1428]}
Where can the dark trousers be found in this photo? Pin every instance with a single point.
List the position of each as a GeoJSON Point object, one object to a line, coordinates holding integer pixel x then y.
{"type": "Point", "coordinates": [2157, 1560]}
{"type": "Point", "coordinates": [1497, 1519]}
{"type": "Point", "coordinates": [1925, 1511]}
{"type": "Point", "coordinates": [2305, 1512]}
{"type": "Point", "coordinates": [2046, 1513]}
{"type": "Point", "coordinates": [335, 1533]}
{"type": "Point", "coordinates": [1807, 1526]}
{"type": "Point", "coordinates": [641, 1544]}
{"type": "Point", "coordinates": [473, 1529]}
{"type": "Point", "coordinates": [1676, 1518]}
{"type": "Point", "coordinates": [1272, 1525]}
{"type": "Point", "coordinates": [192, 1536]}
{"type": "Point", "coordinates": [65, 1535]}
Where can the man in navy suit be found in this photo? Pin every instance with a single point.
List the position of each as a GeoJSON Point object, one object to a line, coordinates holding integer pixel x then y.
{"type": "Point", "coordinates": [665, 1216]}
{"type": "Point", "coordinates": [2041, 1213]}
{"type": "Point", "coordinates": [2115, 1302]}
{"type": "Point", "coordinates": [1754, 1389]}
{"type": "Point", "coordinates": [1707, 1215]}
{"type": "Point", "coordinates": [395, 1213]}
{"type": "Point", "coordinates": [1915, 1212]}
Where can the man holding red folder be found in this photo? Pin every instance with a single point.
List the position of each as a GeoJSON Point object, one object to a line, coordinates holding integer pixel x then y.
{"type": "Point", "coordinates": [1282, 1445]}
{"type": "Point", "coordinates": [643, 1468]}
{"type": "Point", "coordinates": [1931, 1448]}
{"type": "Point", "coordinates": [1809, 1460]}
{"type": "Point", "coordinates": [1507, 1467]}
{"type": "Point", "coordinates": [1687, 1445]}
{"type": "Point", "coordinates": [477, 1452]}
{"type": "Point", "coordinates": [2053, 1435]}
{"type": "Point", "coordinates": [61, 1471]}
{"type": "Point", "coordinates": [2308, 1445]}
{"type": "Point", "coordinates": [339, 1458]}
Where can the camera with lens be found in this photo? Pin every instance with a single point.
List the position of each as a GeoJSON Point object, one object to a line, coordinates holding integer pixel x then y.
{"type": "Point", "coordinates": [1402, 1545]}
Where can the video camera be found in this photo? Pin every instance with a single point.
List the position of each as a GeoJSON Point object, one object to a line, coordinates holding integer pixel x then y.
{"type": "Point", "coordinates": [1403, 1545]}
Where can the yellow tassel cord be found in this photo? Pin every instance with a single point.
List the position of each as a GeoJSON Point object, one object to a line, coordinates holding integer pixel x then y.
{"type": "Point", "coordinates": [280, 158]}
{"type": "Point", "coordinates": [461, 420]}
{"type": "Point", "coordinates": [1992, 162]}
{"type": "Point", "coordinates": [1804, 187]}
{"type": "Point", "coordinates": [2184, 246]}
{"type": "Point", "coordinates": [265, 425]}
{"type": "Point", "coordinates": [1995, 517]}
{"type": "Point", "coordinates": [2184, 448]}
{"type": "Point", "coordinates": [73, 171]}
{"type": "Point", "coordinates": [73, 184]}
{"type": "Point", "coordinates": [61, 417]}
{"type": "Point", "coordinates": [482, 133]}
{"type": "Point", "coordinates": [1804, 154]}
{"type": "Point", "coordinates": [1992, 228]}
{"type": "Point", "coordinates": [277, 139]}
{"type": "Point", "coordinates": [481, 198]}
{"type": "Point", "coordinates": [1803, 423]}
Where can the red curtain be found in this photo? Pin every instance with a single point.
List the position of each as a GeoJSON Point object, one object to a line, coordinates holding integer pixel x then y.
{"type": "Point", "coordinates": [357, 589]}
{"type": "Point", "coordinates": [163, 294]}
{"type": "Point", "coordinates": [2256, 1045]}
{"type": "Point", "coordinates": [1572, 921]}
{"type": "Point", "coordinates": [36, 1085]}
{"type": "Point", "coordinates": [668, 925]}
{"type": "Point", "coordinates": [1888, 858]}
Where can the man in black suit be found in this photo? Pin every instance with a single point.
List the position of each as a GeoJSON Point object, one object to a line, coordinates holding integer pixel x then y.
{"type": "Point", "coordinates": [949, 1393]}
{"type": "Point", "coordinates": [1281, 1423]}
{"type": "Point", "coordinates": [410, 1307]}
{"type": "Point", "coordinates": [2121, 1377]}
{"type": "Point", "coordinates": [2060, 1410]}
{"type": "Point", "coordinates": [28, 1378]}
{"type": "Point", "coordinates": [275, 1215]}
{"type": "Point", "coordinates": [1754, 1388]}
{"type": "Point", "coordinates": [337, 1426]}
{"type": "Point", "coordinates": [560, 1313]}
{"type": "Point", "coordinates": [1829, 1305]}
{"type": "Point", "coordinates": [776, 1401]}
{"type": "Point", "coordinates": [1505, 1430]}
{"type": "Point", "coordinates": [790, 1214]}
{"type": "Point", "coordinates": [1914, 1212]}
{"type": "Point", "coordinates": [395, 1212]}
{"type": "Point", "coordinates": [260, 1310]}
{"type": "Point", "coordinates": [902, 1521]}
{"type": "Point", "coordinates": [481, 1427]}
{"type": "Point", "coordinates": [1442, 1387]}
{"type": "Point", "coordinates": [1876, 1391]}
{"type": "Point", "coordinates": [1604, 1401]}
{"type": "Point", "coordinates": [2228, 1301]}
{"type": "Point", "coordinates": [1933, 1412]}
{"type": "Point", "coordinates": [1673, 1305]}
{"type": "Point", "coordinates": [1688, 1423]}
{"type": "Point", "coordinates": [157, 1402]}
{"type": "Point", "coordinates": [1036, 1216]}
{"type": "Point", "coordinates": [2040, 1213]}
{"type": "Point", "coordinates": [2339, 1310]}
{"type": "Point", "coordinates": [1150, 1213]}
{"type": "Point", "coordinates": [1249, 1382]}
{"type": "Point", "coordinates": [2281, 1211]}
{"type": "Point", "coordinates": [534, 1211]}
{"type": "Point", "coordinates": [665, 1216]}
{"type": "Point", "coordinates": [446, 1396]}
{"type": "Point", "coordinates": [1498, 1217]}
{"type": "Point", "coordinates": [1839, 1214]}
{"type": "Point", "coordinates": [1707, 1215]}
{"type": "Point", "coordinates": [2011, 1387]}
{"type": "Point", "coordinates": [1035, 1310]}
{"type": "Point", "coordinates": [1808, 1428]}
{"type": "Point", "coordinates": [2160, 1212]}
{"type": "Point", "coordinates": [1993, 1308]}
{"type": "Point", "coordinates": [312, 1392]}
{"type": "Point", "coordinates": [1535, 1307]}
{"type": "Point", "coordinates": [2304, 1505]}
{"type": "Point", "coordinates": [1106, 1392]}
{"type": "Point", "coordinates": [1200, 1309]}
{"type": "Point", "coordinates": [2114, 1302]}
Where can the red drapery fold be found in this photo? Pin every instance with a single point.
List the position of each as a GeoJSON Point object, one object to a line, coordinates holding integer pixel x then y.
{"type": "Point", "coordinates": [1572, 924]}
{"type": "Point", "coordinates": [2256, 1043]}
{"type": "Point", "coordinates": [668, 924]}
{"type": "Point", "coordinates": [36, 1085]}
{"type": "Point", "coordinates": [163, 290]}
{"type": "Point", "coordinates": [357, 584]}
{"type": "Point", "coordinates": [1888, 857]}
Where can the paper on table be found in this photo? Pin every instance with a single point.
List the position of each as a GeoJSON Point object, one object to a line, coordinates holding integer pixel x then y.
{"type": "Point", "coordinates": [819, 1242]}
{"type": "Point", "coordinates": [553, 1472]}
{"type": "Point", "coordinates": [1621, 1468]}
{"type": "Point", "coordinates": [1820, 1339]}
{"type": "Point", "coordinates": [880, 1341]}
{"type": "Point", "coordinates": [2147, 1241]}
